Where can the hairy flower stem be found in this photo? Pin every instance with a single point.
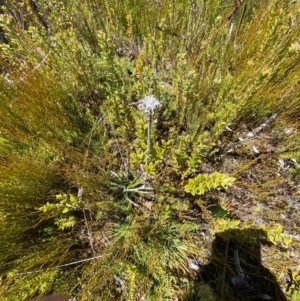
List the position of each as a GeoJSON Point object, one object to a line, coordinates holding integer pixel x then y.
{"type": "Point", "coordinates": [148, 105]}
{"type": "Point", "coordinates": [148, 143]}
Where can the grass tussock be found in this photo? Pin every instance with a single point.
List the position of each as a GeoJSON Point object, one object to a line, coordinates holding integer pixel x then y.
{"type": "Point", "coordinates": [79, 216]}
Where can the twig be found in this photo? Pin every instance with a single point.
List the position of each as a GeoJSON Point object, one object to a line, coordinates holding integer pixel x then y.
{"type": "Point", "coordinates": [60, 266]}
{"type": "Point", "coordinates": [238, 265]}
{"type": "Point", "coordinates": [228, 18]}
{"type": "Point", "coordinates": [240, 22]}
{"type": "Point", "coordinates": [142, 189]}
{"type": "Point", "coordinates": [224, 271]}
{"type": "Point", "coordinates": [251, 135]}
{"type": "Point", "coordinates": [262, 126]}
{"type": "Point", "coordinates": [89, 232]}
{"type": "Point", "coordinates": [231, 28]}
{"type": "Point", "coordinates": [22, 78]}
{"type": "Point", "coordinates": [106, 237]}
{"type": "Point", "coordinates": [43, 60]}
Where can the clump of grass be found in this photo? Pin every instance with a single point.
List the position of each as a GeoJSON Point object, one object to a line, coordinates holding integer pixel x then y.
{"type": "Point", "coordinates": [70, 73]}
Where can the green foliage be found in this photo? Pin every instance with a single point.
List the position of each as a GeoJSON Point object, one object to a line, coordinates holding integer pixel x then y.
{"type": "Point", "coordinates": [276, 235]}
{"type": "Point", "coordinates": [224, 224]}
{"type": "Point", "coordinates": [71, 74]}
{"type": "Point", "coordinates": [66, 203]}
{"type": "Point", "coordinates": [295, 288]}
{"type": "Point", "coordinates": [29, 286]}
{"type": "Point", "coordinates": [204, 183]}
{"type": "Point", "coordinates": [203, 292]}
{"type": "Point", "coordinates": [64, 223]}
